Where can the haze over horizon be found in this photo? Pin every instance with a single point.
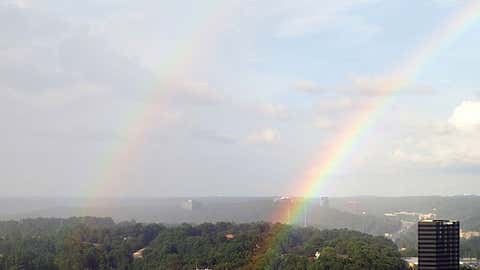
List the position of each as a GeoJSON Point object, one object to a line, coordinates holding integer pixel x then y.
{"type": "Point", "coordinates": [124, 99]}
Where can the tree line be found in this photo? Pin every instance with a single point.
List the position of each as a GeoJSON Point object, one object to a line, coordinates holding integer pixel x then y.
{"type": "Point", "coordinates": [99, 243]}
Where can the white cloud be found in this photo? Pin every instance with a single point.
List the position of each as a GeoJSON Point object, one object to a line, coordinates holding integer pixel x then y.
{"type": "Point", "coordinates": [380, 85]}
{"type": "Point", "coordinates": [454, 143]}
{"type": "Point", "coordinates": [59, 56]}
{"type": "Point", "coordinates": [18, 3]}
{"type": "Point", "coordinates": [190, 92]}
{"type": "Point", "coordinates": [372, 85]}
{"type": "Point", "coordinates": [264, 136]}
{"type": "Point", "coordinates": [333, 104]}
{"type": "Point", "coordinates": [306, 86]}
{"type": "Point", "coordinates": [56, 97]}
{"type": "Point", "coordinates": [323, 123]}
{"type": "Point", "coordinates": [310, 17]}
{"type": "Point", "coordinates": [274, 110]}
{"type": "Point", "coordinates": [364, 85]}
{"type": "Point", "coordinates": [215, 136]}
{"type": "Point", "coordinates": [446, 3]}
{"type": "Point", "coordinates": [452, 150]}
{"type": "Point", "coordinates": [466, 117]}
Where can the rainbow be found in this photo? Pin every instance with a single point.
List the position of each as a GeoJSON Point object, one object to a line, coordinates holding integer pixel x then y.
{"type": "Point", "coordinates": [341, 147]}
{"type": "Point", "coordinates": [329, 159]}
{"type": "Point", "coordinates": [118, 158]}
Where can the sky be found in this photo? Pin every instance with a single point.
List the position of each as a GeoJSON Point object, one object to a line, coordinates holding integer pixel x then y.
{"type": "Point", "coordinates": [161, 98]}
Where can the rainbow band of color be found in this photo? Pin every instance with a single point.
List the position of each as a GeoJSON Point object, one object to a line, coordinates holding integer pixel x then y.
{"type": "Point", "coordinates": [338, 150]}
{"type": "Point", "coordinates": [120, 155]}
{"type": "Point", "coordinates": [318, 174]}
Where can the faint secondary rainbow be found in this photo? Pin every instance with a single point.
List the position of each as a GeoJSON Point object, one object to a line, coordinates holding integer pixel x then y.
{"type": "Point", "coordinates": [343, 144]}
{"type": "Point", "coordinates": [151, 110]}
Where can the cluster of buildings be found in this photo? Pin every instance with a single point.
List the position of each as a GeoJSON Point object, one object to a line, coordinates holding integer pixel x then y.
{"type": "Point", "coordinates": [414, 215]}
{"type": "Point", "coordinates": [469, 234]}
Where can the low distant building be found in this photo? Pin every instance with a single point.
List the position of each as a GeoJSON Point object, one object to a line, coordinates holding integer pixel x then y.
{"type": "Point", "coordinates": [427, 216]}
{"type": "Point", "coordinates": [283, 199]}
{"type": "Point", "coordinates": [190, 205]}
{"type": "Point", "coordinates": [353, 207]}
{"type": "Point", "coordinates": [469, 234]}
{"type": "Point", "coordinates": [324, 202]}
{"type": "Point", "coordinates": [285, 204]}
{"type": "Point", "coordinates": [230, 236]}
{"type": "Point", "coordinates": [414, 216]}
{"type": "Point", "coordinates": [412, 262]}
{"type": "Point", "coordinates": [138, 254]}
{"type": "Point", "coordinates": [470, 262]}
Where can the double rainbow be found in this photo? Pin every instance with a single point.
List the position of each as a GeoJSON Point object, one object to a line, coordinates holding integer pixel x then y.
{"type": "Point", "coordinates": [320, 170]}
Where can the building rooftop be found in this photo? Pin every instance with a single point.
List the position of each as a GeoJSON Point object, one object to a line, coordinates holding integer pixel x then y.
{"type": "Point", "coordinates": [442, 221]}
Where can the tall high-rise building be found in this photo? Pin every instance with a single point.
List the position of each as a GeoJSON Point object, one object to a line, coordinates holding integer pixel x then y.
{"type": "Point", "coordinates": [438, 245]}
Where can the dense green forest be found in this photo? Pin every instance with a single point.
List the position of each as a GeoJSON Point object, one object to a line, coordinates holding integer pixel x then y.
{"type": "Point", "coordinates": [99, 243]}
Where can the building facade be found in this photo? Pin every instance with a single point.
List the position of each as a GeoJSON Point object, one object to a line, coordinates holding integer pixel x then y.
{"type": "Point", "coordinates": [324, 202]}
{"type": "Point", "coordinates": [190, 205]}
{"type": "Point", "coordinates": [438, 245]}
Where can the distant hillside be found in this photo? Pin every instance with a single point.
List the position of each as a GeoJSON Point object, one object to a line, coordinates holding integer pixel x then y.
{"type": "Point", "coordinates": [359, 213]}
{"type": "Point", "coordinates": [448, 207]}
{"type": "Point", "coordinates": [45, 226]}
{"type": "Point", "coordinates": [329, 218]}
{"type": "Point", "coordinates": [238, 210]}
{"type": "Point", "coordinates": [471, 224]}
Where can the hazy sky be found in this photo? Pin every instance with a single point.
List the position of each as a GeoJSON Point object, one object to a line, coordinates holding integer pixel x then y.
{"type": "Point", "coordinates": [181, 98]}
